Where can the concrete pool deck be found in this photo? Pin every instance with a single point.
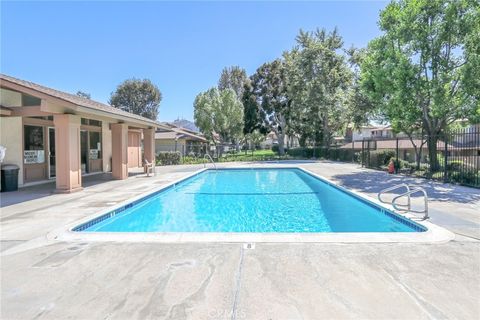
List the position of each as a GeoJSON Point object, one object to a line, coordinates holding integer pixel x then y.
{"type": "Point", "coordinates": [118, 280]}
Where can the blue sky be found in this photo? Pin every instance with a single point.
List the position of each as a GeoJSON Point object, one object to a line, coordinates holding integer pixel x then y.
{"type": "Point", "coordinates": [182, 47]}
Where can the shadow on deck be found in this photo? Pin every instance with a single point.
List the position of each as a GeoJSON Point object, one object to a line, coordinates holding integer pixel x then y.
{"type": "Point", "coordinates": [374, 182]}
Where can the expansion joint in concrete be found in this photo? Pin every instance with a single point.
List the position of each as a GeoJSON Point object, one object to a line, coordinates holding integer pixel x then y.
{"type": "Point", "coordinates": [238, 284]}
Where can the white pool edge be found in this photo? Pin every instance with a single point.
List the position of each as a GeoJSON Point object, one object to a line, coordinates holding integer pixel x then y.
{"type": "Point", "coordinates": [433, 234]}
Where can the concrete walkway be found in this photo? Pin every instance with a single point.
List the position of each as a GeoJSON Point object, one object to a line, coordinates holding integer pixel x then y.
{"type": "Point", "coordinates": [57, 280]}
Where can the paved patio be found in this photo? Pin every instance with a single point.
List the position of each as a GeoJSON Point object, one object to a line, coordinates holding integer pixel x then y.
{"type": "Point", "coordinates": [105, 280]}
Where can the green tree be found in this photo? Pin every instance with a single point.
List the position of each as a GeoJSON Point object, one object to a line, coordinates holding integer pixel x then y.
{"type": "Point", "coordinates": [318, 82]}
{"type": "Point", "coordinates": [361, 108]}
{"type": "Point", "coordinates": [137, 96]}
{"type": "Point", "coordinates": [270, 89]}
{"type": "Point", "coordinates": [83, 94]}
{"type": "Point", "coordinates": [252, 120]}
{"type": "Point", "coordinates": [422, 72]}
{"type": "Point", "coordinates": [219, 112]}
{"type": "Point", "coordinates": [233, 78]}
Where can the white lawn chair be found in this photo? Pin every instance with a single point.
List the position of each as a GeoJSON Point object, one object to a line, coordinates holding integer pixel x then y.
{"type": "Point", "coordinates": [149, 168]}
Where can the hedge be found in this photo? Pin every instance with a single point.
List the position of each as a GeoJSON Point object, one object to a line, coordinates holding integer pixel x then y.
{"type": "Point", "coordinates": [167, 158]}
{"type": "Point", "coordinates": [336, 154]}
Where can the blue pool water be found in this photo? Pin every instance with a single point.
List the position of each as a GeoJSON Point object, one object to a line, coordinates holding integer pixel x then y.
{"type": "Point", "coordinates": [251, 200]}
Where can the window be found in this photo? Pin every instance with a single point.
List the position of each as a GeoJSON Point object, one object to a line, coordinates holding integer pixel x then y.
{"type": "Point", "coordinates": [95, 123]}
{"type": "Point", "coordinates": [95, 151]}
{"type": "Point", "coordinates": [28, 100]}
{"type": "Point", "coordinates": [50, 118]}
{"type": "Point", "coordinates": [91, 122]}
{"type": "Point", "coordinates": [34, 145]}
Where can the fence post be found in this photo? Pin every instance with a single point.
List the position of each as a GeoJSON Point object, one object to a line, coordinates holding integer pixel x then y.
{"type": "Point", "coordinates": [363, 151]}
{"type": "Point", "coordinates": [396, 156]}
{"type": "Point", "coordinates": [353, 151]}
{"type": "Point", "coordinates": [445, 160]}
{"type": "Point", "coordinates": [368, 154]}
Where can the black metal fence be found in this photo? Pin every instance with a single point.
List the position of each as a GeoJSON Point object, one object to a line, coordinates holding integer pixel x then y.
{"type": "Point", "coordinates": [452, 157]}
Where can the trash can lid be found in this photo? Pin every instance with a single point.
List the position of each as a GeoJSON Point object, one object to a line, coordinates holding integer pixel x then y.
{"type": "Point", "coordinates": [9, 167]}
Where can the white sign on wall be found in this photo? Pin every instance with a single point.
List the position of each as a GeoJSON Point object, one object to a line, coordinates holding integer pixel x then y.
{"type": "Point", "coordinates": [33, 156]}
{"type": "Point", "coordinates": [93, 154]}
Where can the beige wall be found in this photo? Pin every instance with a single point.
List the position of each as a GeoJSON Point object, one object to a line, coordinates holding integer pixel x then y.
{"type": "Point", "coordinates": [106, 146]}
{"type": "Point", "coordinates": [11, 138]}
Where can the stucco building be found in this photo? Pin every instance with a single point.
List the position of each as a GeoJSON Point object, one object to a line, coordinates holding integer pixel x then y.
{"type": "Point", "coordinates": [54, 135]}
{"type": "Point", "coordinates": [179, 139]}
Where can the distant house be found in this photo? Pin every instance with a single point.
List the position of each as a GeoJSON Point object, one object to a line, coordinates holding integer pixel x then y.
{"type": "Point", "coordinates": [179, 139]}
{"type": "Point", "coordinates": [369, 132]}
{"type": "Point", "coordinates": [271, 140]}
{"type": "Point", "coordinates": [462, 145]}
{"type": "Point", "coordinates": [405, 147]}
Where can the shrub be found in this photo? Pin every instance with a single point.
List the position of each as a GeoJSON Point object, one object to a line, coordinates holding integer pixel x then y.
{"type": "Point", "coordinates": [300, 152]}
{"type": "Point", "coordinates": [167, 158]}
{"type": "Point", "coordinates": [420, 173]}
{"type": "Point", "coordinates": [379, 158]}
{"type": "Point", "coordinates": [465, 177]}
{"type": "Point", "coordinates": [275, 148]}
{"type": "Point", "coordinates": [459, 165]}
{"type": "Point", "coordinates": [401, 164]}
{"type": "Point", "coordinates": [193, 160]}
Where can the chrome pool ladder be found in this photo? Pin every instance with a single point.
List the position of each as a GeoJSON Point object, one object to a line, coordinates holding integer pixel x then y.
{"type": "Point", "coordinates": [209, 158]}
{"type": "Point", "coordinates": [409, 191]}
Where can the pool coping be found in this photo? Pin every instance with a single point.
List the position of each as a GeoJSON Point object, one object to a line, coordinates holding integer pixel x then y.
{"type": "Point", "coordinates": [433, 233]}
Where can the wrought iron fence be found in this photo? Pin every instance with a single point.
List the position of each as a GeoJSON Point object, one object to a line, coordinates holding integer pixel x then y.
{"type": "Point", "coordinates": [451, 157]}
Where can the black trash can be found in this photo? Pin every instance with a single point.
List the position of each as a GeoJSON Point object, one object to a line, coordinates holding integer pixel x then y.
{"type": "Point", "coordinates": [10, 177]}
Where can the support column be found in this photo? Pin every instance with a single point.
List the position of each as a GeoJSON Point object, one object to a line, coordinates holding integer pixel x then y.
{"type": "Point", "coordinates": [67, 153]}
{"type": "Point", "coordinates": [149, 145]}
{"type": "Point", "coordinates": [119, 151]}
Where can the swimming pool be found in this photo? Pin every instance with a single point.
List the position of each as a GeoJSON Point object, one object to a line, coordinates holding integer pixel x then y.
{"type": "Point", "coordinates": [261, 200]}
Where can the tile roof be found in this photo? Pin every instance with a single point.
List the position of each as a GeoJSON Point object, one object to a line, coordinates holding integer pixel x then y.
{"type": "Point", "coordinates": [180, 134]}
{"type": "Point", "coordinates": [80, 101]}
{"type": "Point", "coordinates": [167, 135]}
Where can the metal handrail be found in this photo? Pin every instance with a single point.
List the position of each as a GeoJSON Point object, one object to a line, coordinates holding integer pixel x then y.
{"type": "Point", "coordinates": [408, 194]}
{"type": "Point", "coordinates": [209, 157]}
{"type": "Point", "coordinates": [398, 186]}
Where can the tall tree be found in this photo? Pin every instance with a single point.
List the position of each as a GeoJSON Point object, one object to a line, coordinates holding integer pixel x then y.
{"type": "Point", "coordinates": [233, 78]}
{"type": "Point", "coordinates": [424, 65]}
{"type": "Point", "coordinates": [219, 112]}
{"type": "Point", "coordinates": [137, 96]}
{"type": "Point", "coordinates": [251, 115]}
{"type": "Point", "coordinates": [83, 94]}
{"type": "Point", "coordinates": [318, 80]}
{"type": "Point", "coordinates": [270, 89]}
